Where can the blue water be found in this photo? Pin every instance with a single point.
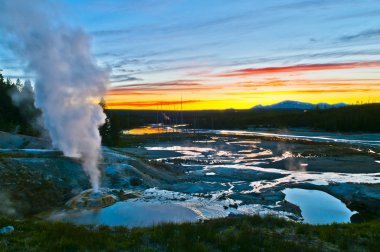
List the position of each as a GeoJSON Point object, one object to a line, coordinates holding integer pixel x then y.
{"type": "Point", "coordinates": [318, 207]}
{"type": "Point", "coordinates": [131, 214]}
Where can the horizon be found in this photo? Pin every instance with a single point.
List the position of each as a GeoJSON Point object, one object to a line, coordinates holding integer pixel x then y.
{"type": "Point", "coordinates": [255, 107]}
{"type": "Point", "coordinates": [219, 55]}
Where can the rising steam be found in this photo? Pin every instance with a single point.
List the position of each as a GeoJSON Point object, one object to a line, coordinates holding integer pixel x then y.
{"type": "Point", "coordinates": [68, 82]}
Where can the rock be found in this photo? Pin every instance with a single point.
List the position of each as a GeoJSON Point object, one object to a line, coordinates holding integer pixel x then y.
{"type": "Point", "coordinates": [356, 218]}
{"type": "Point", "coordinates": [89, 200]}
{"type": "Point", "coordinates": [6, 230]}
{"type": "Point", "coordinates": [234, 205]}
{"type": "Point", "coordinates": [104, 198]}
{"type": "Point", "coordinates": [125, 195]}
{"type": "Point", "coordinates": [133, 181]}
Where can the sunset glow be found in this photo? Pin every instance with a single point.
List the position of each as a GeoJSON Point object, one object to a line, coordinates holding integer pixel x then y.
{"type": "Point", "coordinates": [195, 55]}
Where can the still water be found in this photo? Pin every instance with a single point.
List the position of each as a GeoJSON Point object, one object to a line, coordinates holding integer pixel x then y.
{"type": "Point", "coordinates": [131, 214]}
{"type": "Point", "coordinates": [318, 207]}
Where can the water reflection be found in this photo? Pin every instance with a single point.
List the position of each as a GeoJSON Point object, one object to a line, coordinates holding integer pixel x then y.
{"type": "Point", "coordinates": [131, 214]}
{"type": "Point", "coordinates": [318, 207]}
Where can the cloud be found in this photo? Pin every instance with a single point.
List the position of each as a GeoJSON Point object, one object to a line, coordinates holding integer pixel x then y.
{"type": "Point", "coordinates": [121, 63]}
{"type": "Point", "coordinates": [131, 93]}
{"type": "Point", "coordinates": [297, 68]}
{"type": "Point", "coordinates": [160, 85]}
{"type": "Point", "coordinates": [304, 91]}
{"type": "Point", "coordinates": [123, 78]}
{"type": "Point", "coordinates": [271, 82]}
{"type": "Point", "coordinates": [345, 90]}
{"type": "Point", "coordinates": [367, 34]}
{"type": "Point", "coordinates": [143, 104]}
{"type": "Point", "coordinates": [309, 4]}
{"type": "Point", "coordinates": [366, 14]}
{"type": "Point", "coordinates": [240, 61]}
{"type": "Point", "coordinates": [175, 27]}
{"type": "Point", "coordinates": [111, 32]}
{"type": "Point", "coordinates": [179, 85]}
{"type": "Point", "coordinates": [331, 82]}
{"type": "Point", "coordinates": [129, 6]}
{"type": "Point", "coordinates": [158, 88]}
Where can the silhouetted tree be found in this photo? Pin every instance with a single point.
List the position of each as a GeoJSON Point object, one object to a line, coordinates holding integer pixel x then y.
{"type": "Point", "coordinates": [17, 110]}
{"type": "Point", "coordinates": [111, 130]}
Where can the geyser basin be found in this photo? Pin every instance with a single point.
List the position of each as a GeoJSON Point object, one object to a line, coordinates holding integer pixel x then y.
{"type": "Point", "coordinates": [158, 206]}
{"type": "Point", "coordinates": [318, 207]}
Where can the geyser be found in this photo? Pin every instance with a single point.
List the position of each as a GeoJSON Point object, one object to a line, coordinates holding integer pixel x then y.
{"type": "Point", "coordinates": [68, 82]}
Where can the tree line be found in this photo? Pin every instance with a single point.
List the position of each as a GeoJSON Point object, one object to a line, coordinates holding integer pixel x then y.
{"type": "Point", "coordinates": [354, 118]}
{"type": "Point", "coordinates": [18, 113]}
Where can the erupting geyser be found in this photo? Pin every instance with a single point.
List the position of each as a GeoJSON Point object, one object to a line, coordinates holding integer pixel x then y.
{"type": "Point", "coordinates": [68, 82]}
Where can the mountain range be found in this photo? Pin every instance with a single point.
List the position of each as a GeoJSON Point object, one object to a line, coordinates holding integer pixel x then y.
{"type": "Point", "coordinates": [300, 105]}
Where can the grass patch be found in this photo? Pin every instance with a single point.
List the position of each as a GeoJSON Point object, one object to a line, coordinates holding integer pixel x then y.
{"type": "Point", "coordinates": [229, 234]}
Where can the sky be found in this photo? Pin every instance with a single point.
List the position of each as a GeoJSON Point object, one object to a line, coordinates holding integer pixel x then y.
{"type": "Point", "coordinates": [220, 54]}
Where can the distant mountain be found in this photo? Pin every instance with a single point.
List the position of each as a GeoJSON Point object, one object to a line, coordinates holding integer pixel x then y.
{"type": "Point", "coordinates": [299, 105]}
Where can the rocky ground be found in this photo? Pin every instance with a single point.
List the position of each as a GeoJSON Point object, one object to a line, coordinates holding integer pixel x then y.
{"type": "Point", "coordinates": [36, 180]}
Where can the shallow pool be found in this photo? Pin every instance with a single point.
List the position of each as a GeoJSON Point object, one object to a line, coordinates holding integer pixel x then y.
{"type": "Point", "coordinates": [318, 207]}
{"type": "Point", "coordinates": [131, 214]}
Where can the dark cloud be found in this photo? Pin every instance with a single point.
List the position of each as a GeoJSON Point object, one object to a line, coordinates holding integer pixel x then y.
{"type": "Point", "coordinates": [123, 78]}
{"type": "Point", "coordinates": [123, 62]}
{"type": "Point", "coordinates": [367, 34]}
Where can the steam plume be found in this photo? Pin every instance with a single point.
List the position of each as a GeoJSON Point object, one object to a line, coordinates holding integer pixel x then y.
{"type": "Point", "coordinates": [68, 81]}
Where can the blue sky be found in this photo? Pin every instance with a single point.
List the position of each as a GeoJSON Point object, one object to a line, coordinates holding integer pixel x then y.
{"type": "Point", "coordinates": [146, 41]}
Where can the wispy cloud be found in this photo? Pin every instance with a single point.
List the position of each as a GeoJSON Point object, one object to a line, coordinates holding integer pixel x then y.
{"type": "Point", "coordinates": [272, 82]}
{"type": "Point", "coordinates": [160, 88]}
{"type": "Point", "coordinates": [160, 85]}
{"type": "Point", "coordinates": [343, 90]}
{"type": "Point", "coordinates": [297, 68]}
{"type": "Point", "coordinates": [114, 93]}
{"type": "Point", "coordinates": [367, 34]}
{"type": "Point", "coordinates": [334, 54]}
{"type": "Point", "coordinates": [123, 78]}
{"type": "Point", "coordinates": [145, 104]}
{"type": "Point", "coordinates": [304, 91]}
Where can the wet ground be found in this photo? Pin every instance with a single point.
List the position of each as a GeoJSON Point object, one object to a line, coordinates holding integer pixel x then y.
{"type": "Point", "coordinates": [223, 173]}
{"type": "Point", "coordinates": [228, 173]}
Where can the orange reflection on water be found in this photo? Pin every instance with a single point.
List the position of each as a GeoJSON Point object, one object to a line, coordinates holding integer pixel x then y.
{"type": "Point", "coordinates": [150, 130]}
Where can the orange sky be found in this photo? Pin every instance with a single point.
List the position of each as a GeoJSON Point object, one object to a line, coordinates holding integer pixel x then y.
{"type": "Point", "coordinates": [244, 88]}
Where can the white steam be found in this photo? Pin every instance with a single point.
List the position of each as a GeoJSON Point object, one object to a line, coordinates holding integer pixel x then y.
{"type": "Point", "coordinates": [68, 82]}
